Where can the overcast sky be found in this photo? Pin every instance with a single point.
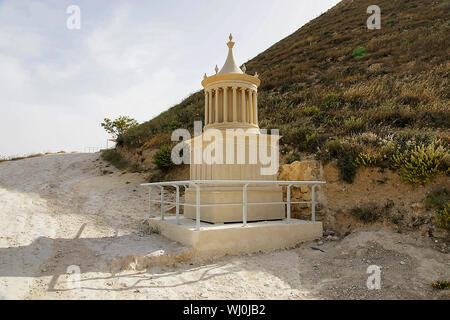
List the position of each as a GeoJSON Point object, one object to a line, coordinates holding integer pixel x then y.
{"type": "Point", "coordinates": [135, 58]}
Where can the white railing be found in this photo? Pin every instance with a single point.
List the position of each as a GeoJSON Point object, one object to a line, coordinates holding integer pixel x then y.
{"type": "Point", "coordinates": [244, 203]}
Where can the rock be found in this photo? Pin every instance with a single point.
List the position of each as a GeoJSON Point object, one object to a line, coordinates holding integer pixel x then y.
{"type": "Point", "coordinates": [156, 253]}
{"type": "Point", "coordinates": [328, 233]}
{"type": "Point", "coordinates": [402, 262]}
{"type": "Point", "coordinates": [418, 207]}
{"type": "Point", "coordinates": [300, 170]}
{"type": "Point", "coordinates": [332, 238]}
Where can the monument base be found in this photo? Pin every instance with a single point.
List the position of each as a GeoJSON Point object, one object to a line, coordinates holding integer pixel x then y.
{"type": "Point", "coordinates": [234, 238]}
{"type": "Point", "coordinates": [226, 194]}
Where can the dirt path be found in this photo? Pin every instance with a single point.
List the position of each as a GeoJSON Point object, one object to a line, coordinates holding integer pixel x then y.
{"type": "Point", "coordinates": [59, 213]}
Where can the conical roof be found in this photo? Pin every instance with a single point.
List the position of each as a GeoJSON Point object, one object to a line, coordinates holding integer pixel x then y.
{"type": "Point", "coordinates": [230, 65]}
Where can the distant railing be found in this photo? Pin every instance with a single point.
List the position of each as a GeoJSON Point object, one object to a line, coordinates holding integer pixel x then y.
{"type": "Point", "coordinates": [244, 203]}
{"type": "Point", "coordinates": [92, 149]}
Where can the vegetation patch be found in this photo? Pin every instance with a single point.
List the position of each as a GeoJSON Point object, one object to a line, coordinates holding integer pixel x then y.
{"type": "Point", "coordinates": [443, 218]}
{"type": "Point", "coordinates": [371, 213]}
{"type": "Point", "coordinates": [310, 111]}
{"type": "Point", "coordinates": [441, 285]}
{"type": "Point", "coordinates": [422, 163]}
{"type": "Point", "coordinates": [366, 214]}
{"type": "Point", "coordinates": [359, 52]}
{"type": "Point", "coordinates": [115, 158]}
{"type": "Point", "coordinates": [439, 200]}
{"type": "Point", "coordinates": [346, 155]}
{"type": "Point", "coordinates": [162, 158]}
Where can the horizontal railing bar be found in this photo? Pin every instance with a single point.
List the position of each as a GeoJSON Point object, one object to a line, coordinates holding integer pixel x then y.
{"type": "Point", "coordinates": [230, 204]}
{"type": "Point", "coordinates": [171, 183]}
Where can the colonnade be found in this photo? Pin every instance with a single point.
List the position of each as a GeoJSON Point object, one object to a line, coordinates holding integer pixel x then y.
{"type": "Point", "coordinates": [227, 104]}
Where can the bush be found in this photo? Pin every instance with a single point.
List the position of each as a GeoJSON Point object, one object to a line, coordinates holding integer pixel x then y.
{"type": "Point", "coordinates": [441, 285]}
{"type": "Point", "coordinates": [331, 101]}
{"type": "Point", "coordinates": [437, 199]}
{"type": "Point", "coordinates": [310, 111]}
{"type": "Point", "coordinates": [304, 139]}
{"type": "Point", "coordinates": [366, 214]}
{"type": "Point", "coordinates": [162, 158]}
{"type": "Point", "coordinates": [366, 159]}
{"type": "Point", "coordinates": [359, 52]}
{"type": "Point", "coordinates": [346, 155]}
{"type": "Point", "coordinates": [353, 125]}
{"type": "Point", "coordinates": [422, 163]}
{"type": "Point", "coordinates": [115, 158]}
{"type": "Point", "coordinates": [443, 218]}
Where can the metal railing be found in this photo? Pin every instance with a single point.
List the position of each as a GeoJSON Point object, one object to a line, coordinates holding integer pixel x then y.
{"type": "Point", "coordinates": [244, 203]}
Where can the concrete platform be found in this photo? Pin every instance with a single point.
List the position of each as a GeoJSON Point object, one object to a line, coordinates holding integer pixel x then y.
{"type": "Point", "coordinates": [234, 238]}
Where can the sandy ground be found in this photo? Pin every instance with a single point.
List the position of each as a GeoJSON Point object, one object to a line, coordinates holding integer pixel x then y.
{"type": "Point", "coordinates": [60, 213]}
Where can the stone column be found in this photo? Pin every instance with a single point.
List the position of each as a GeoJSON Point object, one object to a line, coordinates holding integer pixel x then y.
{"type": "Point", "coordinates": [206, 109]}
{"type": "Point", "coordinates": [216, 107]}
{"type": "Point", "coordinates": [256, 108]}
{"type": "Point", "coordinates": [225, 104]}
{"type": "Point", "coordinates": [234, 105]}
{"type": "Point", "coordinates": [244, 107]}
{"type": "Point", "coordinates": [210, 113]}
{"type": "Point", "coordinates": [250, 105]}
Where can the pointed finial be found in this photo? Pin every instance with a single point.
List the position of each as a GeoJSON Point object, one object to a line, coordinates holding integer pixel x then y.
{"type": "Point", "coordinates": [256, 75]}
{"type": "Point", "coordinates": [244, 68]}
{"type": "Point", "coordinates": [205, 76]}
{"type": "Point", "coordinates": [230, 43]}
{"type": "Point", "coordinates": [216, 69]}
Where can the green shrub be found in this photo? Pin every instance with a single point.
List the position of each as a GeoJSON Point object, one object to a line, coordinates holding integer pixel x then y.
{"type": "Point", "coordinates": [366, 159]}
{"type": "Point", "coordinates": [366, 214]}
{"type": "Point", "coordinates": [359, 52]}
{"type": "Point", "coordinates": [443, 218]}
{"type": "Point", "coordinates": [310, 111]}
{"type": "Point", "coordinates": [346, 155]}
{"type": "Point", "coordinates": [422, 163]}
{"type": "Point", "coordinates": [115, 158]}
{"type": "Point", "coordinates": [437, 199]}
{"type": "Point", "coordinates": [441, 285]}
{"type": "Point", "coordinates": [331, 101]}
{"type": "Point", "coordinates": [353, 125]}
{"type": "Point", "coordinates": [304, 139]}
{"type": "Point", "coordinates": [162, 158]}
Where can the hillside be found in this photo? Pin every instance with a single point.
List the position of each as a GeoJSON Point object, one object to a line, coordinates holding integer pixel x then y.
{"type": "Point", "coordinates": [338, 90]}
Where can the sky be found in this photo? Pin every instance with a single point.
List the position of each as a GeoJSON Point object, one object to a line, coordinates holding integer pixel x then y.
{"type": "Point", "coordinates": [134, 58]}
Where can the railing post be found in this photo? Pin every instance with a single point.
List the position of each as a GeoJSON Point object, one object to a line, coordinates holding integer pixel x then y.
{"type": "Point", "coordinates": [197, 207]}
{"type": "Point", "coordinates": [178, 204]}
{"type": "Point", "coordinates": [150, 202]}
{"type": "Point", "coordinates": [288, 196]}
{"type": "Point", "coordinates": [244, 205]}
{"type": "Point", "coordinates": [162, 203]}
{"type": "Point", "coordinates": [313, 203]}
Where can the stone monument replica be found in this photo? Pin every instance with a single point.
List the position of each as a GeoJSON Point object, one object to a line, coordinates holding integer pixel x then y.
{"type": "Point", "coordinates": [231, 129]}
